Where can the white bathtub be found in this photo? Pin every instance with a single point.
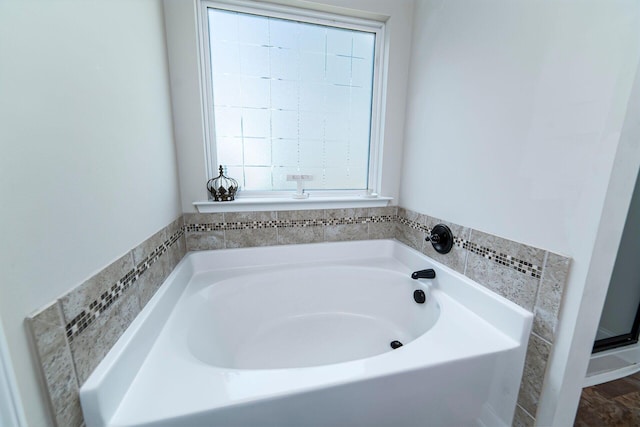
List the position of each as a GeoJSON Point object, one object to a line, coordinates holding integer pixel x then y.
{"type": "Point", "coordinates": [300, 336]}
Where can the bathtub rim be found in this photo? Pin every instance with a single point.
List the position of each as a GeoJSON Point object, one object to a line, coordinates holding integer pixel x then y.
{"type": "Point", "coordinates": [101, 393]}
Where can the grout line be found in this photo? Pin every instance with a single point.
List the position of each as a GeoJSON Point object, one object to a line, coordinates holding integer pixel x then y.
{"type": "Point", "coordinates": [67, 343]}
{"type": "Point", "coordinates": [539, 337]}
{"type": "Point", "coordinates": [525, 411]}
{"type": "Point", "coordinates": [542, 275]}
{"type": "Point", "coordinates": [466, 255]}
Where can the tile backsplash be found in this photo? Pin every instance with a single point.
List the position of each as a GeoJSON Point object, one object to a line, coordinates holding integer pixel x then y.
{"type": "Point", "coordinates": [244, 229]}
{"type": "Point", "coordinates": [72, 334]}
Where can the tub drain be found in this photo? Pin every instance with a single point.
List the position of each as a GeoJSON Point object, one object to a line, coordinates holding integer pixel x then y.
{"type": "Point", "coordinates": [395, 344]}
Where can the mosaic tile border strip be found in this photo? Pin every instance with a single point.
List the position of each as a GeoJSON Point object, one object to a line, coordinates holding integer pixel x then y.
{"type": "Point", "coordinates": [506, 260]}
{"type": "Point", "coordinates": [412, 224]}
{"type": "Point", "coordinates": [97, 307]}
{"type": "Point", "coordinates": [289, 223]}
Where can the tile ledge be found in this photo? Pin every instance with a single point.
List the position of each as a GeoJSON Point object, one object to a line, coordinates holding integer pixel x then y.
{"type": "Point", "coordinates": [285, 203]}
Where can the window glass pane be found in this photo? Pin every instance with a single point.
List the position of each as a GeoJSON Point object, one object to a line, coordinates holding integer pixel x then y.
{"type": "Point", "coordinates": [339, 42]}
{"type": "Point", "coordinates": [256, 93]}
{"type": "Point", "coordinates": [285, 153]}
{"type": "Point", "coordinates": [285, 65]}
{"type": "Point", "coordinates": [252, 29]}
{"type": "Point", "coordinates": [312, 38]}
{"type": "Point", "coordinates": [228, 122]}
{"type": "Point", "coordinates": [256, 123]}
{"type": "Point", "coordinates": [223, 26]}
{"type": "Point", "coordinates": [291, 97]}
{"type": "Point", "coordinates": [284, 96]}
{"type": "Point", "coordinates": [283, 34]}
{"type": "Point", "coordinates": [231, 149]}
{"type": "Point", "coordinates": [254, 60]}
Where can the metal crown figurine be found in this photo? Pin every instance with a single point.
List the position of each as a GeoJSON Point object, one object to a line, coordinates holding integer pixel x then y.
{"type": "Point", "coordinates": [221, 188]}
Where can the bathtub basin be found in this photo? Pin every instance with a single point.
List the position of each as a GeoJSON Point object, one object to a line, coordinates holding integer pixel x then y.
{"type": "Point", "coordinates": [301, 336]}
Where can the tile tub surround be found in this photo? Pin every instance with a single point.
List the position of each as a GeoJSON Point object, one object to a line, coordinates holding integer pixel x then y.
{"type": "Point", "coordinates": [99, 310]}
{"type": "Point", "coordinates": [72, 334]}
{"type": "Point", "coordinates": [532, 278]}
{"type": "Point", "coordinates": [245, 229]}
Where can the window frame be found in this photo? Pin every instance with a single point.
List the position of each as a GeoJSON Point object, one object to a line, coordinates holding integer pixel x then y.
{"type": "Point", "coordinates": [312, 17]}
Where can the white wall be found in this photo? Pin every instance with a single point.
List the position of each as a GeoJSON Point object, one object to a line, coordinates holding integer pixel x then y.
{"type": "Point", "coordinates": [11, 411]}
{"type": "Point", "coordinates": [623, 295]}
{"type": "Point", "coordinates": [584, 303]}
{"type": "Point", "coordinates": [514, 118]}
{"type": "Point", "coordinates": [87, 163]}
{"type": "Point", "coordinates": [186, 93]}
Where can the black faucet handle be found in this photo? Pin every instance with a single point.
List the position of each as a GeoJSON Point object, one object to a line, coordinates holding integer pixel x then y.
{"type": "Point", "coordinates": [429, 273]}
{"type": "Point", "coordinates": [441, 238]}
{"type": "Point", "coordinates": [434, 238]}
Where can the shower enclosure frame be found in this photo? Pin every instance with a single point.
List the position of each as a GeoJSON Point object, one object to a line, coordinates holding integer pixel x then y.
{"type": "Point", "coordinates": [620, 340]}
{"type": "Point", "coordinates": [11, 409]}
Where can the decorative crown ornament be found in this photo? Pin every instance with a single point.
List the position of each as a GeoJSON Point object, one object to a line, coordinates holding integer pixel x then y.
{"type": "Point", "coordinates": [221, 188]}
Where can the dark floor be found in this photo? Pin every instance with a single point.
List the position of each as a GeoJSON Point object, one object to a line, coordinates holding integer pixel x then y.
{"type": "Point", "coordinates": [612, 404]}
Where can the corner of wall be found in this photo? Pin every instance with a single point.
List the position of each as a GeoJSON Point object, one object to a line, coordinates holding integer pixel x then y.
{"type": "Point", "coordinates": [181, 27]}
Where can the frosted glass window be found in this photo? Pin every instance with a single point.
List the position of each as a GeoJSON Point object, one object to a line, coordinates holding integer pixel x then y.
{"type": "Point", "coordinates": [291, 97]}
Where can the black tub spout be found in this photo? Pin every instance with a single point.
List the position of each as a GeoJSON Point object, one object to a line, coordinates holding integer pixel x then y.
{"type": "Point", "coordinates": [429, 273]}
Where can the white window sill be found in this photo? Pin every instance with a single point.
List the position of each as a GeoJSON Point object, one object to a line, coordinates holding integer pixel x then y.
{"type": "Point", "coordinates": [285, 204]}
